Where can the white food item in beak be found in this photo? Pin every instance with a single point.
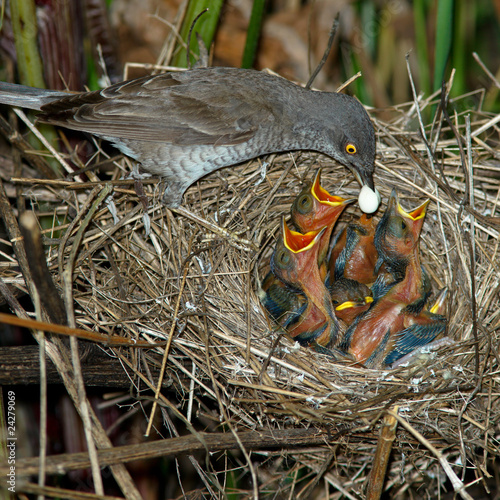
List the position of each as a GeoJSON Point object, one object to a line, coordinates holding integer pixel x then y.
{"type": "Point", "coordinates": [368, 199]}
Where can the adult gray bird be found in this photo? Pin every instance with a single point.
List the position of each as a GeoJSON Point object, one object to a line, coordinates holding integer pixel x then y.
{"type": "Point", "coordinates": [184, 125]}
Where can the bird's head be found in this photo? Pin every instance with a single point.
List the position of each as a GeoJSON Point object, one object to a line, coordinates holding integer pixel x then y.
{"type": "Point", "coordinates": [315, 207]}
{"type": "Point", "coordinates": [398, 231]}
{"type": "Point", "coordinates": [349, 137]}
{"type": "Point", "coordinates": [296, 255]}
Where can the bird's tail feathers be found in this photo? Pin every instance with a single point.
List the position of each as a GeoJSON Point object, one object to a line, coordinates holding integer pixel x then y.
{"type": "Point", "coordinates": [22, 96]}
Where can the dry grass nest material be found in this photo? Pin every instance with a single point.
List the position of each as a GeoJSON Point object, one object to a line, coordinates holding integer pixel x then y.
{"type": "Point", "coordinates": [226, 360]}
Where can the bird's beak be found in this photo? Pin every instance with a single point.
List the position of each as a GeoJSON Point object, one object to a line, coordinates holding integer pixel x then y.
{"type": "Point", "coordinates": [416, 214]}
{"type": "Point", "coordinates": [415, 218]}
{"type": "Point", "coordinates": [297, 242]}
{"type": "Point", "coordinates": [439, 305]}
{"type": "Point", "coordinates": [323, 196]}
{"type": "Point", "coordinates": [350, 303]}
{"type": "Point", "coordinates": [364, 178]}
{"type": "Point", "coordinates": [369, 197]}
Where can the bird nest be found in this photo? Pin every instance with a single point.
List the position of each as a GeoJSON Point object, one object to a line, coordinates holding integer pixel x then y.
{"type": "Point", "coordinates": [188, 277]}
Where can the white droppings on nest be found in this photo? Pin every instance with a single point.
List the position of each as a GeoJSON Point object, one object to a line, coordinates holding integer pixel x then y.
{"type": "Point", "coordinates": [315, 402]}
{"type": "Point", "coordinates": [204, 266]}
{"type": "Point", "coordinates": [386, 376]}
{"type": "Point", "coordinates": [263, 173]}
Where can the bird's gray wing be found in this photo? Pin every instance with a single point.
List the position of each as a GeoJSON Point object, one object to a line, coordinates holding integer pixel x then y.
{"type": "Point", "coordinates": [179, 108]}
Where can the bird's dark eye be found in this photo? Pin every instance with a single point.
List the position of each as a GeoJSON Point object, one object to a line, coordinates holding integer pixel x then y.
{"type": "Point", "coordinates": [282, 258]}
{"type": "Point", "coordinates": [304, 204]}
{"type": "Point", "coordinates": [335, 302]}
{"type": "Point", "coordinates": [403, 225]}
{"type": "Point", "coordinates": [350, 149]}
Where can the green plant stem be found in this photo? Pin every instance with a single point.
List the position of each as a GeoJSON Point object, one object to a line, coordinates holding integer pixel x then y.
{"type": "Point", "coordinates": [465, 12]}
{"type": "Point", "coordinates": [25, 29]}
{"type": "Point", "coordinates": [29, 63]}
{"type": "Point", "coordinates": [253, 34]}
{"type": "Point", "coordinates": [205, 26]}
{"type": "Point", "coordinates": [419, 13]}
{"type": "Point", "coordinates": [444, 34]}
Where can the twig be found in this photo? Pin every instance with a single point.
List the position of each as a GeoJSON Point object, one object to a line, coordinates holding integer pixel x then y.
{"type": "Point", "coordinates": [382, 454]}
{"type": "Point", "coordinates": [276, 438]}
{"type": "Point", "coordinates": [26, 149]}
{"type": "Point", "coordinates": [43, 140]}
{"type": "Point", "coordinates": [54, 492]}
{"type": "Point", "coordinates": [471, 237]}
{"type": "Point", "coordinates": [166, 352]}
{"type": "Point", "coordinates": [43, 399]}
{"type": "Point", "coordinates": [333, 32]}
{"type": "Point", "coordinates": [47, 291]}
{"type": "Point", "coordinates": [191, 28]}
{"type": "Point", "coordinates": [419, 115]}
{"type": "Point", "coordinates": [232, 239]}
{"type": "Point", "coordinates": [348, 82]}
{"type": "Point", "coordinates": [67, 279]}
{"type": "Point", "coordinates": [458, 486]}
{"type": "Point", "coordinates": [486, 70]}
{"type": "Point", "coordinates": [106, 340]}
{"type": "Point", "coordinates": [486, 126]}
